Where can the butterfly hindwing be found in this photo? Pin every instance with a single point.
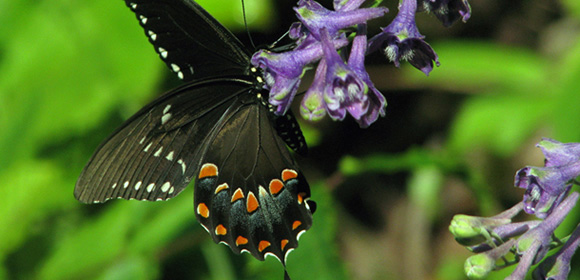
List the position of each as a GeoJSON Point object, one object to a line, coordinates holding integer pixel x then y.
{"type": "Point", "coordinates": [189, 40]}
{"type": "Point", "coordinates": [152, 156]}
{"type": "Point", "coordinates": [249, 191]}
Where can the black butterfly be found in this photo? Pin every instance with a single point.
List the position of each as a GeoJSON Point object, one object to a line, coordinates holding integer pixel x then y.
{"type": "Point", "coordinates": [218, 129]}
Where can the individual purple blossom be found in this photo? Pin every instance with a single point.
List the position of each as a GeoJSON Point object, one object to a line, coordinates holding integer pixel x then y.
{"type": "Point", "coordinates": [314, 17]}
{"type": "Point", "coordinates": [344, 90]}
{"type": "Point", "coordinates": [447, 11]}
{"type": "Point", "coordinates": [313, 107]}
{"type": "Point", "coordinates": [376, 100]}
{"type": "Point", "coordinates": [401, 40]}
{"type": "Point", "coordinates": [557, 153]}
{"type": "Point", "coordinates": [547, 186]}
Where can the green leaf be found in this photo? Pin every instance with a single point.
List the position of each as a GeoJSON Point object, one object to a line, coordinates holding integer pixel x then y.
{"type": "Point", "coordinates": [499, 122]}
{"type": "Point", "coordinates": [31, 191]}
{"type": "Point", "coordinates": [84, 65]}
{"type": "Point", "coordinates": [471, 65]}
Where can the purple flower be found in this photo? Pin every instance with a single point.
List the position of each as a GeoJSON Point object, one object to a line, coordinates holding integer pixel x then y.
{"type": "Point", "coordinates": [547, 186]}
{"type": "Point", "coordinates": [447, 11]}
{"type": "Point", "coordinates": [401, 40]}
{"type": "Point", "coordinates": [312, 106]}
{"type": "Point", "coordinates": [339, 88]}
{"type": "Point", "coordinates": [558, 153]}
{"type": "Point", "coordinates": [283, 71]}
{"type": "Point", "coordinates": [533, 245]}
{"type": "Point", "coordinates": [344, 90]}
{"type": "Point", "coordinates": [376, 100]}
{"type": "Point", "coordinates": [314, 17]}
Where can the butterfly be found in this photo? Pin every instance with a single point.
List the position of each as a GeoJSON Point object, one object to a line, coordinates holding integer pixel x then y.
{"type": "Point", "coordinates": [217, 129]}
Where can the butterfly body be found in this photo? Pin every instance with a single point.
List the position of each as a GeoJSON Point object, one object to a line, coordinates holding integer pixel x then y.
{"type": "Point", "coordinates": [218, 130]}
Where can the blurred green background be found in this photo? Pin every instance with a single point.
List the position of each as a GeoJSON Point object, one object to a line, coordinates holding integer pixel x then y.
{"type": "Point", "coordinates": [72, 71]}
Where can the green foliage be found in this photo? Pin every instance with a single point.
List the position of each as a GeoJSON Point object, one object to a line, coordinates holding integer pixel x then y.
{"type": "Point", "coordinates": [69, 72]}
{"type": "Point", "coordinates": [69, 78]}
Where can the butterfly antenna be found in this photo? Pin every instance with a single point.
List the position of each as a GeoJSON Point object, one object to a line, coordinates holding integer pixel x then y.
{"type": "Point", "coordinates": [273, 45]}
{"type": "Point", "coordinates": [246, 24]}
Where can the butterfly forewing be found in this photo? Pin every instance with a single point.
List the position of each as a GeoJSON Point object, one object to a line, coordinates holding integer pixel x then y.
{"type": "Point", "coordinates": [190, 41]}
{"type": "Point", "coordinates": [249, 192]}
{"type": "Point", "coordinates": [152, 156]}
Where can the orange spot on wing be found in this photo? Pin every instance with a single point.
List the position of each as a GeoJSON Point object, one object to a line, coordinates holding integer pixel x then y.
{"type": "Point", "coordinates": [251, 203]}
{"type": "Point", "coordinates": [202, 210]}
{"type": "Point", "coordinates": [283, 243]}
{"type": "Point", "coordinates": [238, 194]}
{"type": "Point", "coordinates": [296, 224]}
{"type": "Point", "coordinates": [300, 198]}
{"type": "Point", "coordinates": [221, 187]}
{"type": "Point", "coordinates": [276, 186]}
{"type": "Point", "coordinates": [263, 245]}
{"type": "Point", "coordinates": [288, 174]}
{"type": "Point", "coordinates": [208, 170]}
{"type": "Point", "coordinates": [221, 230]}
{"type": "Point", "coordinates": [241, 241]}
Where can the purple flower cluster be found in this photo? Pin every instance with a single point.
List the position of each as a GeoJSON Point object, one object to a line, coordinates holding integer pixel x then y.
{"type": "Point", "coordinates": [341, 84]}
{"type": "Point", "coordinates": [548, 197]}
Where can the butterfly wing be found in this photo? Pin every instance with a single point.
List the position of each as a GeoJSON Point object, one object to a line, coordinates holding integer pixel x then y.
{"type": "Point", "coordinates": [189, 40]}
{"type": "Point", "coordinates": [154, 154]}
{"type": "Point", "coordinates": [249, 192]}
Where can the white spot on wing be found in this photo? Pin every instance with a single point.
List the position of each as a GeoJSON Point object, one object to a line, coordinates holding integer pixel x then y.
{"type": "Point", "coordinates": [300, 234]}
{"type": "Point", "coordinates": [158, 153]}
{"type": "Point", "coordinates": [183, 167]}
{"type": "Point", "coordinates": [287, 253]}
{"type": "Point", "coordinates": [126, 184]}
{"type": "Point", "coordinates": [262, 192]}
{"type": "Point", "coordinates": [142, 140]}
{"type": "Point", "coordinates": [171, 190]}
{"type": "Point", "coordinates": [169, 156]}
{"type": "Point", "coordinates": [272, 254]}
{"type": "Point", "coordinates": [150, 187]}
{"type": "Point", "coordinates": [133, 6]}
{"type": "Point", "coordinates": [165, 117]}
{"type": "Point", "coordinates": [143, 19]}
{"type": "Point", "coordinates": [180, 75]}
{"type": "Point", "coordinates": [147, 148]}
{"type": "Point", "coordinates": [204, 227]}
{"type": "Point", "coordinates": [152, 35]}
{"type": "Point", "coordinates": [114, 186]}
{"type": "Point", "coordinates": [165, 187]}
{"type": "Point", "coordinates": [138, 185]}
{"type": "Point", "coordinates": [162, 52]}
{"type": "Point", "coordinates": [166, 109]}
